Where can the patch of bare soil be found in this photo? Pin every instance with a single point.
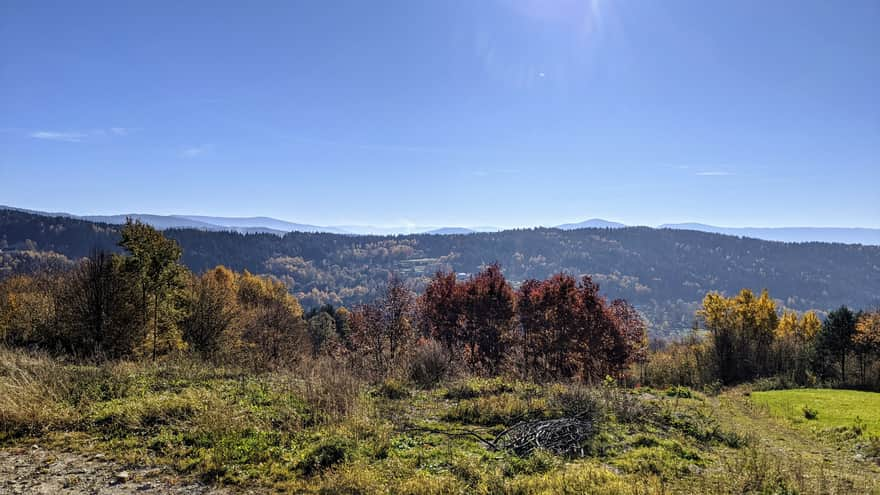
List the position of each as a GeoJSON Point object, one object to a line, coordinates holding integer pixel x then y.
{"type": "Point", "coordinates": [36, 470]}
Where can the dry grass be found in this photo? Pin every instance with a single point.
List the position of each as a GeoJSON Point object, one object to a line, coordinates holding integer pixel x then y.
{"type": "Point", "coordinates": [332, 391]}
{"type": "Point", "coordinates": [31, 394]}
{"type": "Point", "coordinates": [320, 428]}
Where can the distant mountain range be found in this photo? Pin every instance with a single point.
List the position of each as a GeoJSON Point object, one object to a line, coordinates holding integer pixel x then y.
{"type": "Point", "coordinates": [843, 235]}
{"type": "Point", "coordinates": [244, 225]}
{"type": "Point", "coordinates": [268, 225]}
{"type": "Point", "coordinates": [273, 224]}
{"type": "Point", "coordinates": [593, 223]}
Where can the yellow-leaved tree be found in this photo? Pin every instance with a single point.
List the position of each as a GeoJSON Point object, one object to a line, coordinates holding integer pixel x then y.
{"type": "Point", "coordinates": [742, 328]}
{"type": "Point", "coordinates": [794, 344]}
{"type": "Point", "coordinates": [210, 311]}
{"type": "Point", "coordinates": [271, 323]}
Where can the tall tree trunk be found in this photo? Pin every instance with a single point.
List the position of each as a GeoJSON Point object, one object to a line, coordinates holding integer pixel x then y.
{"type": "Point", "coordinates": [862, 367]}
{"type": "Point", "coordinates": [155, 324]}
{"type": "Point", "coordinates": [145, 317]}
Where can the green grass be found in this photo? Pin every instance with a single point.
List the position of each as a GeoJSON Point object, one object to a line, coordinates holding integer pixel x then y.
{"type": "Point", "coordinates": [835, 409]}
{"type": "Point", "coordinates": [320, 430]}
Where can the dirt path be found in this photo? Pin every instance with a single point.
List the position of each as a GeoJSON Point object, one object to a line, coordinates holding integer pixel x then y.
{"type": "Point", "coordinates": [36, 470]}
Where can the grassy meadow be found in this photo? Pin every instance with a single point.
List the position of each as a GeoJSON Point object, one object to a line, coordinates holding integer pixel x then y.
{"type": "Point", "coordinates": [824, 409]}
{"type": "Point", "coordinates": [319, 429]}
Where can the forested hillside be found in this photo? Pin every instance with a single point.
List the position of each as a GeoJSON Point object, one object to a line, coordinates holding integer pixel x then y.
{"type": "Point", "coordinates": [664, 273]}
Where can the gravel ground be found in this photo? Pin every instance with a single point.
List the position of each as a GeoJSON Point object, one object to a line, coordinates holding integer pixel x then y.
{"type": "Point", "coordinates": [36, 470]}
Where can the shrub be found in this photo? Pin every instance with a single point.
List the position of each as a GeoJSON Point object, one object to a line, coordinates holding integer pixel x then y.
{"type": "Point", "coordinates": [226, 455]}
{"type": "Point", "coordinates": [141, 413]}
{"type": "Point", "coordinates": [88, 384]}
{"type": "Point", "coordinates": [538, 462]}
{"type": "Point", "coordinates": [429, 364]}
{"type": "Point", "coordinates": [331, 391]}
{"type": "Point", "coordinates": [771, 383]}
{"type": "Point", "coordinates": [680, 392]}
{"type": "Point", "coordinates": [712, 388]}
{"type": "Point", "coordinates": [464, 390]}
{"type": "Point", "coordinates": [871, 448]}
{"type": "Point", "coordinates": [392, 389]}
{"type": "Point", "coordinates": [505, 409]}
{"type": "Point", "coordinates": [324, 455]}
{"type": "Point", "coordinates": [810, 413]}
{"type": "Point", "coordinates": [631, 407]}
{"type": "Point", "coordinates": [733, 439]}
{"type": "Point", "coordinates": [701, 425]}
{"type": "Point", "coordinates": [577, 401]}
{"type": "Point", "coordinates": [476, 387]}
{"type": "Point", "coordinates": [689, 362]}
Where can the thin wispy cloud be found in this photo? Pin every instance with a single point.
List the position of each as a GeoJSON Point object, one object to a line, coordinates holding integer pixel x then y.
{"type": "Point", "coordinates": [194, 151]}
{"type": "Point", "coordinates": [714, 173]}
{"type": "Point", "coordinates": [372, 147]}
{"type": "Point", "coordinates": [79, 136]}
{"type": "Point", "coordinates": [68, 137]}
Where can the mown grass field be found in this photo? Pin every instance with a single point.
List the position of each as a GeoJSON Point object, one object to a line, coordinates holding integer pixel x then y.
{"type": "Point", "coordinates": [321, 430]}
{"type": "Point", "coordinates": [821, 409]}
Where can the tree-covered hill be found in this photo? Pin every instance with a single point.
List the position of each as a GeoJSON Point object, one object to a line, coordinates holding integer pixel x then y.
{"type": "Point", "coordinates": [664, 273]}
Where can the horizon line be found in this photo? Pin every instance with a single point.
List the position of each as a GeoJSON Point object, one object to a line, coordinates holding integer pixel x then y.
{"type": "Point", "coordinates": [440, 225]}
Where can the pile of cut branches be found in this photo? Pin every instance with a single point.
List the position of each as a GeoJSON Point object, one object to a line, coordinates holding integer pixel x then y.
{"type": "Point", "coordinates": [565, 437]}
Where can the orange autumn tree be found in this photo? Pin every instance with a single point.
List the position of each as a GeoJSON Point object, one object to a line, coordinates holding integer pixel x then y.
{"type": "Point", "coordinates": [867, 339]}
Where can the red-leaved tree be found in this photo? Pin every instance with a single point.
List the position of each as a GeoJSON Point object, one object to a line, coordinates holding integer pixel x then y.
{"type": "Point", "coordinates": [569, 330]}
{"type": "Point", "coordinates": [441, 310]}
{"type": "Point", "coordinates": [489, 318]}
{"type": "Point", "coordinates": [562, 327]}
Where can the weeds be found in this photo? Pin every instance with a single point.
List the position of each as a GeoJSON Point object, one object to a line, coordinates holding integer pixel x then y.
{"type": "Point", "coordinates": [429, 364]}
{"type": "Point", "coordinates": [578, 401]}
{"type": "Point", "coordinates": [31, 398]}
{"type": "Point", "coordinates": [871, 448]}
{"type": "Point", "coordinates": [680, 392]}
{"type": "Point", "coordinates": [321, 429]}
{"type": "Point", "coordinates": [478, 387]}
{"type": "Point", "coordinates": [392, 389]}
{"type": "Point", "coordinates": [331, 393]}
{"type": "Point", "coordinates": [505, 409]}
{"type": "Point", "coordinates": [325, 454]}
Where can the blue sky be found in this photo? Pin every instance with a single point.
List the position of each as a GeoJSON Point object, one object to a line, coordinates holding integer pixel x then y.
{"type": "Point", "coordinates": [509, 113]}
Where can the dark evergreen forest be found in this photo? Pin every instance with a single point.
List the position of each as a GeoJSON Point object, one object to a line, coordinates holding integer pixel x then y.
{"type": "Point", "coordinates": [664, 273]}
